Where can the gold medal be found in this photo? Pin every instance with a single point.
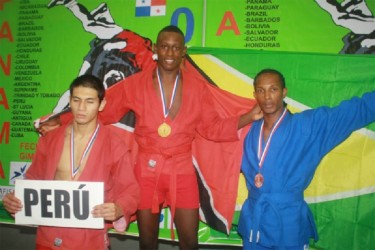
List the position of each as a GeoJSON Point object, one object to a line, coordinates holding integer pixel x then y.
{"type": "Point", "coordinates": [164, 130]}
{"type": "Point", "coordinates": [258, 180]}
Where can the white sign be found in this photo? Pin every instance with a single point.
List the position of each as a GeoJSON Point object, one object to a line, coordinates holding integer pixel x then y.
{"type": "Point", "coordinates": [59, 203]}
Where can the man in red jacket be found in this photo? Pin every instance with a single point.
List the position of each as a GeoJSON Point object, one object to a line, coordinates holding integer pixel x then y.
{"type": "Point", "coordinates": [85, 150]}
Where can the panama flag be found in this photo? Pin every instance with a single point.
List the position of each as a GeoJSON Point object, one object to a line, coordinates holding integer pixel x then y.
{"type": "Point", "coordinates": [150, 8]}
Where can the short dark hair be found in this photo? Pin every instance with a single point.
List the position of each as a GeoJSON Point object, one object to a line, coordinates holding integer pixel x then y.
{"type": "Point", "coordinates": [89, 81]}
{"type": "Point", "coordinates": [272, 71]}
{"type": "Point", "coordinates": [171, 28]}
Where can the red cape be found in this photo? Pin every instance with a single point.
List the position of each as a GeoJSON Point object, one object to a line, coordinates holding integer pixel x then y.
{"type": "Point", "coordinates": [218, 164]}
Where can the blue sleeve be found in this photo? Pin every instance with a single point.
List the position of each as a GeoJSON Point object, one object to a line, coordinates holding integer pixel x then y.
{"type": "Point", "coordinates": [333, 125]}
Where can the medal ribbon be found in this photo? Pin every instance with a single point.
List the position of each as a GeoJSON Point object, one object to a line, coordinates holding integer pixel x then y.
{"type": "Point", "coordinates": [165, 110]}
{"type": "Point", "coordinates": [85, 152]}
{"type": "Point", "coordinates": [262, 154]}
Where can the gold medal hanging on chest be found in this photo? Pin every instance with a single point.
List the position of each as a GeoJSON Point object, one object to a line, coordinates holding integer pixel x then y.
{"type": "Point", "coordinates": [164, 130]}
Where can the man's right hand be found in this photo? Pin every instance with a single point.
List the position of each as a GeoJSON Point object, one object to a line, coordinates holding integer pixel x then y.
{"type": "Point", "coordinates": [11, 203]}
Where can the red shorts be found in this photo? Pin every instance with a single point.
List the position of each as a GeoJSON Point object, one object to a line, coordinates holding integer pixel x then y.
{"type": "Point", "coordinates": [187, 194]}
{"type": "Point", "coordinates": [41, 247]}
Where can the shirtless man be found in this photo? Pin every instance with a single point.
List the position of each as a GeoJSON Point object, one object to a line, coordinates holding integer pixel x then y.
{"type": "Point", "coordinates": [84, 150]}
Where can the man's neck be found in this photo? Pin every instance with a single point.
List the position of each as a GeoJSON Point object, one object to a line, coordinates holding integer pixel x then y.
{"type": "Point", "coordinates": [168, 75]}
{"type": "Point", "coordinates": [83, 130]}
{"type": "Point", "coordinates": [271, 119]}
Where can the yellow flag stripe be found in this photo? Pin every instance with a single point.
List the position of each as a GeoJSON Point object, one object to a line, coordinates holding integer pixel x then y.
{"type": "Point", "coordinates": [346, 171]}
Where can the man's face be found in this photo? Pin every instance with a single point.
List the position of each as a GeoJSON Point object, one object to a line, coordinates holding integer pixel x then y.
{"type": "Point", "coordinates": [85, 105]}
{"type": "Point", "coordinates": [269, 93]}
{"type": "Point", "coordinates": [170, 49]}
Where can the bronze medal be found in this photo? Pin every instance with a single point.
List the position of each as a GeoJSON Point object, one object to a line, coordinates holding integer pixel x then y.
{"type": "Point", "coordinates": [164, 130]}
{"type": "Point", "coordinates": [258, 180]}
{"type": "Point", "coordinates": [262, 152]}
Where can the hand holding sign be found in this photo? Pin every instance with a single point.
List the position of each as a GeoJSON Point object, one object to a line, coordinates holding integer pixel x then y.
{"type": "Point", "coordinates": [59, 203]}
{"type": "Point", "coordinates": [12, 204]}
{"type": "Point", "coordinates": [108, 211]}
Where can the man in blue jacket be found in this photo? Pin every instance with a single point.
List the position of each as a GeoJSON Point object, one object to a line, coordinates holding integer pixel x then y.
{"type": "Point", "coordinates": [281, 154]}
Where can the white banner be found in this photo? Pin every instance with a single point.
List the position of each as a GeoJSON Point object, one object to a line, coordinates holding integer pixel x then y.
{"type": "Point", "coordinates": [59, 203]}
